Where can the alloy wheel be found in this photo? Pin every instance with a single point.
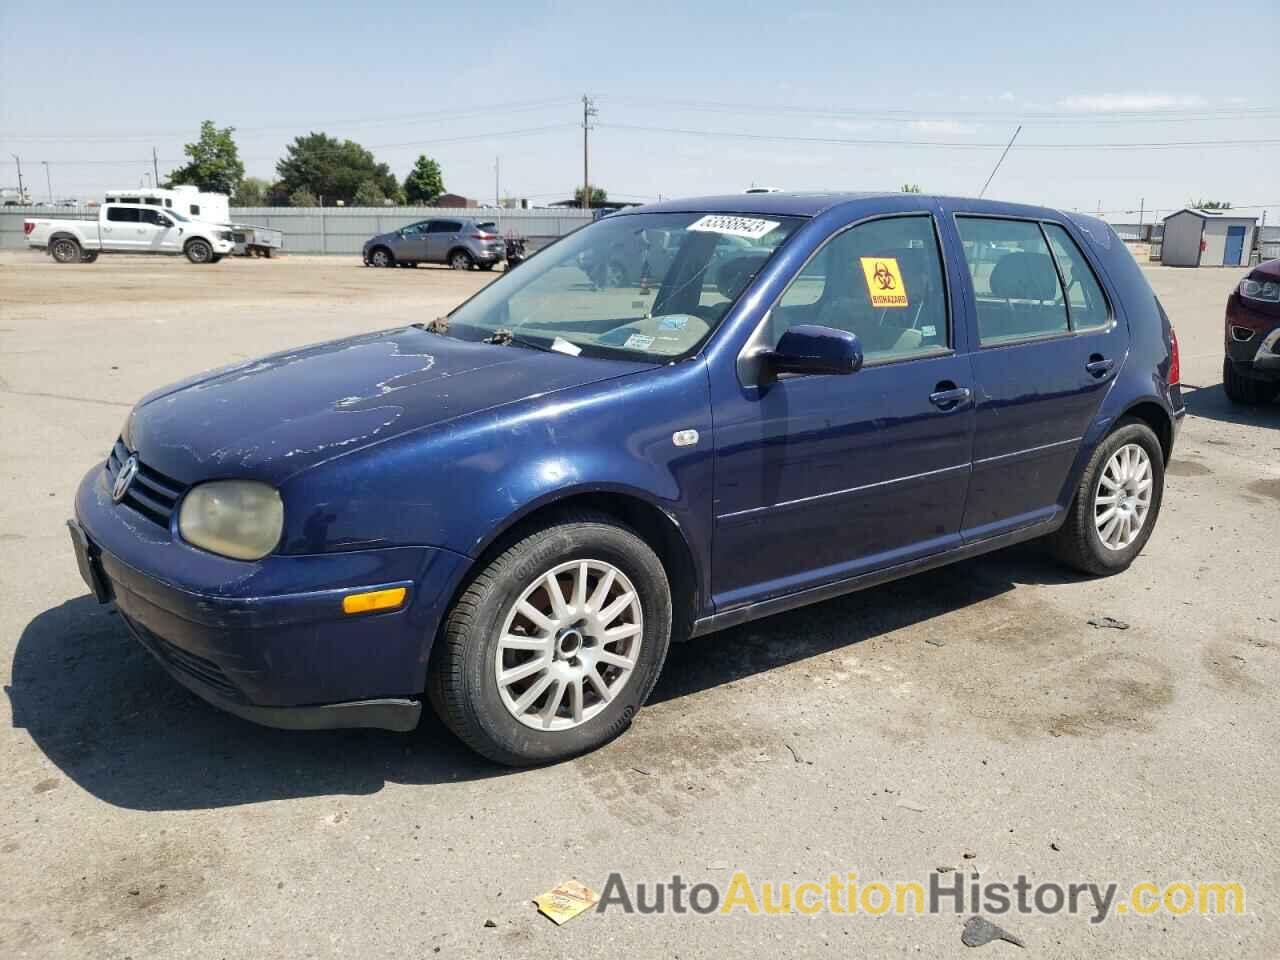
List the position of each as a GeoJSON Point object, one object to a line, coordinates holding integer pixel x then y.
{"type": "Point", "coordinates": [569, 645]}
{"type": "Point", "coordinates": [1122, 498]}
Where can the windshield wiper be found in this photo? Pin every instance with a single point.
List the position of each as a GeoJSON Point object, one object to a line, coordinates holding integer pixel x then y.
{"type": "Point", "coordinates": [502, 337]}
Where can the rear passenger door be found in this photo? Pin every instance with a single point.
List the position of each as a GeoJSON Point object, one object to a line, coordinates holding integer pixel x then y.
{"type": "Point", "coordinates": [441, 235]}
{"type": "Point", "coordinates": [121, 229]}
{"type": "Point", "coordinates": [1049, 345]}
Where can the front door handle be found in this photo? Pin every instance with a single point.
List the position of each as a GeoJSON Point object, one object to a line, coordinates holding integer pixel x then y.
{"type": "Point", "coordinates": [1099, 366]}
{"type": "Point", "coordinates": [947, 396]}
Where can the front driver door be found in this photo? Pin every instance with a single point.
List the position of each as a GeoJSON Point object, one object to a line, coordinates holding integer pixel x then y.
{"type": "Point", "coordinates": [411, 245]}
{"type": "Point", "coordinates": [162, 235]}
{"type": "Point", "coordinates": [824, 478]}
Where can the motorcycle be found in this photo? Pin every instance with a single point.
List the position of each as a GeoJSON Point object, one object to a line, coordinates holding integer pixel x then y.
{"type": "Point", "coordinates": [515, 252]}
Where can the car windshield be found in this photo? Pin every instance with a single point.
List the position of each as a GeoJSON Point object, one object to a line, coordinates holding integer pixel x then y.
{"type": "Point", "coordinates": [649, 286]}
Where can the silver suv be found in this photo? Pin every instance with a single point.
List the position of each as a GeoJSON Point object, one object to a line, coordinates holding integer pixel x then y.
{"type": "Point", "coordinates": [463, 244]}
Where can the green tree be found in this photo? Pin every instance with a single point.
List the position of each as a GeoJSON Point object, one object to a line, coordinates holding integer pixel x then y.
{"type": "Point", "coordinates": [302, 197]}
{"type": "Point", "coordinates": [911, 188]}
{"type": "Point", "coordinates": [252, 192]}
{"type": "Point", "coordinates": [333, 169]}
{"type": "Point", "coordinates": [368, 194]}
{"type": "Point", "coordinates": [599, 196]}
{"type": "Point", "coordinates": [214, 161]}
{"type": "Point", "coordinates": [425, 182]}
{"type": "Point", "coordinates": [1210, 205]}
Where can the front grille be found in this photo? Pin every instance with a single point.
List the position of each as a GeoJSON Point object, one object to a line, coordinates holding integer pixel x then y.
{"type": "Point", "coordinates": [203, 671]}
{"type": "Point", "coordinates": [151, 494]}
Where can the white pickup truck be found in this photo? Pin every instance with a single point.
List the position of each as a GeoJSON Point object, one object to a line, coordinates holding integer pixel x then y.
{"type": "Point", "coordinates": [130, 228]}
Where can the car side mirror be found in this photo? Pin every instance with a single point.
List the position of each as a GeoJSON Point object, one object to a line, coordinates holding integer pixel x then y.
{"type": "Point", "coordinates": [808, 348]}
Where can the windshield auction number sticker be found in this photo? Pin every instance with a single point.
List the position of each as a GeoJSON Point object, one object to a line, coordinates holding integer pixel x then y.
{"type": "Point", "coordinates": [749, 228]}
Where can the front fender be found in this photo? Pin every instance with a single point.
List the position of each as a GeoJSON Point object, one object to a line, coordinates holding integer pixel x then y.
{"type": "Point", "coordinates": [460, 485]}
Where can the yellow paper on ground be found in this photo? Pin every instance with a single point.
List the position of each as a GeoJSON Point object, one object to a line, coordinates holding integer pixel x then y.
{"type": "Point", "coordinates": [566, 900]}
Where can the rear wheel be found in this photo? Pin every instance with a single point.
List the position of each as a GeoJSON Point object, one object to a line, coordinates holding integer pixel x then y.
{"type": "Point", "coordinates": [1116, 503]}
{"type": "Point", "coordinates": [199, 251]}
{"type": "Point", "coordinates": [66, 250]}
{"type": "Point", "coordinates": [554, 646]}
{"type": "Point", "coordinates": [1245, 390]}
{"type": "Point", "coordinates": [461, 260]}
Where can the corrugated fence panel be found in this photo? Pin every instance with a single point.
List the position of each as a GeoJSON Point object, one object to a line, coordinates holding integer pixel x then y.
{"type": "Point", "coordinates": [338, 230]}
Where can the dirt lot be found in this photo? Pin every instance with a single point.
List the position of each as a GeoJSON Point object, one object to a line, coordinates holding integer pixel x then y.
{"type": "Point", "coordinates": [967, 719]}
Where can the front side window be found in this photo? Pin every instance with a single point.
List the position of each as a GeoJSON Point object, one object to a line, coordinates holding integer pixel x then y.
{"type": "Point", "coordinates": [1085, 302]}
{"type": "Point", "coordinates": [881, 280]}
{"type": "Point", "coordinates": [123, 214]}
{"type": "Point", "coordinates": [1014, 279]}
{"type": "Point", "coordinates": [638, 286]}
{"type": "Point", "coordinates": [155, 217]}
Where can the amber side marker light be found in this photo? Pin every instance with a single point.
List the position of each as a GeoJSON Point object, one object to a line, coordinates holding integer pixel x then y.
{"type": "Point", "coordinates": [374, 600]}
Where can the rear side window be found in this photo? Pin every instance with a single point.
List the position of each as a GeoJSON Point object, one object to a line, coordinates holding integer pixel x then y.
{"type": "Point", "coordinates": [122, 214]}
{"type": "Point", "coordinates": [1014, 279]}
{"type": "Point", "coordinates": [444, 226]}
{"type": "Point", "coordinates": [881, 280]}
{"type": "Point", "coordinates": [1085, 302]}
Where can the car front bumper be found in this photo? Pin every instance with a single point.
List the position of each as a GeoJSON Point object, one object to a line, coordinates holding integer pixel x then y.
{"type": "Point", "coordinates": [1253, 338]}
{"type": "Point", "coordinates": [269, 641]}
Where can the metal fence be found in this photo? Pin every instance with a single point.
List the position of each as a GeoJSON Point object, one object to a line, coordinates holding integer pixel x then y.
{"type": "Point", "coordinates": [336, 229]}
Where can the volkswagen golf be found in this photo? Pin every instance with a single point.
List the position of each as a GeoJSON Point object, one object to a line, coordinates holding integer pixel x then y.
{"type": "Point", "coordinates": [510, 512]}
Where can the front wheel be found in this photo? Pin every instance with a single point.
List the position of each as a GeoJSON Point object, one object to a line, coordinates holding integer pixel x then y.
{"type": "Point", "coordinates": [555, 644]}
{"type": "Point", "coordinates": [1246, 391]}
{"type": "Point", "coordinates": [381, 258]}
{"type": "Point", "coordinates": [66, 250]}
{"type": "Point", "coordinates": [199, 251]}
{"type": "Point", "coordinates": [1116, 503]}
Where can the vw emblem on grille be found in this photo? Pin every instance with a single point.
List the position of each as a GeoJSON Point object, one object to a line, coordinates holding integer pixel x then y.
{"type": "Point", "coordinates": [124, 478]}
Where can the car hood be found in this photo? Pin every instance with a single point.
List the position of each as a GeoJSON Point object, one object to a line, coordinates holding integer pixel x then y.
{"type": "Point", "coordinates": [1267, 270]}
{"type": "Point", "coordinates": [270, 418]}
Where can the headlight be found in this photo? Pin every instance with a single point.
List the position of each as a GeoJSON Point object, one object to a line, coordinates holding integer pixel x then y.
{"type": "Point", "coordinates": [241, 519]}
{"type": "Point", "coordinates": [1268, 290]}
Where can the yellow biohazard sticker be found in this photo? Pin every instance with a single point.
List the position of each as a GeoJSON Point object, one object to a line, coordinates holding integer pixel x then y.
{"type": "Point", "coordinates": [884, 282]}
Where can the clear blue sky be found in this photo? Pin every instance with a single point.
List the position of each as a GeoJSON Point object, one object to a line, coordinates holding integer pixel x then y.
{"type": "Point", "coordinates": [102, 82]}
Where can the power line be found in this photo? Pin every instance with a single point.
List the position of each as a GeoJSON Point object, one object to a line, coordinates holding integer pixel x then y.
{"type": "Point", "coordinates": [1002, 116]}
{"type": "Point", "coordinates": [948, 144]}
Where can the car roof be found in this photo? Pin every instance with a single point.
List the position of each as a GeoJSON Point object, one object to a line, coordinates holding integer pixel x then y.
{"type": "Point", "coordinates": [802, 204]}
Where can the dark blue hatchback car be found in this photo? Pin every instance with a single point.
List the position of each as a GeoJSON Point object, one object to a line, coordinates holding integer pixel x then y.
{"type": "Point", "coordinates": [765, 401]}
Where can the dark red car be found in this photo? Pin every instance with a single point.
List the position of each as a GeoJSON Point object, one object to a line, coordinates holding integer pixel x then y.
{"type": "Point", "coordinates": [1251, 368]}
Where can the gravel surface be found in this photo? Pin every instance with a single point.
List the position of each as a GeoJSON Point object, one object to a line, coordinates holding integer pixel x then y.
{"type": "Point", "coordinates": [968, 718]}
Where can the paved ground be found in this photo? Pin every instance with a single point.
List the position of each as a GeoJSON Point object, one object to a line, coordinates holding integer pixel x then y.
{"type": "Point", "coordinates": [136, 821]}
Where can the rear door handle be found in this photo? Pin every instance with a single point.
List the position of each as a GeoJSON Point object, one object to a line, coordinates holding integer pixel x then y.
{"type": "Point", "coordinates": [1099, 366]}
{"type": "Point", "coordinates": [949, 398]}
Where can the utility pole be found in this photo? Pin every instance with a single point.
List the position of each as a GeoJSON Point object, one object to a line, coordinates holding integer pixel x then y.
{"type": "Point", "coordinates": [155, 166]}
{"type": "Point", "coordinates": [48, 182]}
{"type": "Point", "coordinates": [1142, 209]}
{"type": "Point", "coordinates": [22, 194]}
{"type": "Point", "coordinates": [497, 181]}
{"type": "Point", "coordinates": [588, 111]}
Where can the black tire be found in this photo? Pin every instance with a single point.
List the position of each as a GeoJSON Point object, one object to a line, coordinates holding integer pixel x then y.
{"type": "Point", "coordinates": [66, 250]}
{"type": "Point", "coordinates": [89, 256]}
{"type": "Point", "coordinates": [1243, 390]}
{"type": "Point", "coordinates": [198, 251]}
{"type": "Point", "coordinates": [461, 260]}
{"type": "Point", "coordinates": [487, 266]}
{"type": "Point", "coordinates": [216, 258]}
{"type": "Point", "coordinates": [1077, 542]}
{"type": "Point", "coordinates": [381, 257]}
{"type": "Point", "coordinates": [462, 685]}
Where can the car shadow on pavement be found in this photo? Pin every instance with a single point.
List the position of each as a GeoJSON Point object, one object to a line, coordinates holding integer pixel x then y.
{"type": "Point", "coordinates": [1211, 403]}
{"type": "Point", "coordinates": [843, 622]}
{"type": "Point", "coordinates": [117, 725]}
